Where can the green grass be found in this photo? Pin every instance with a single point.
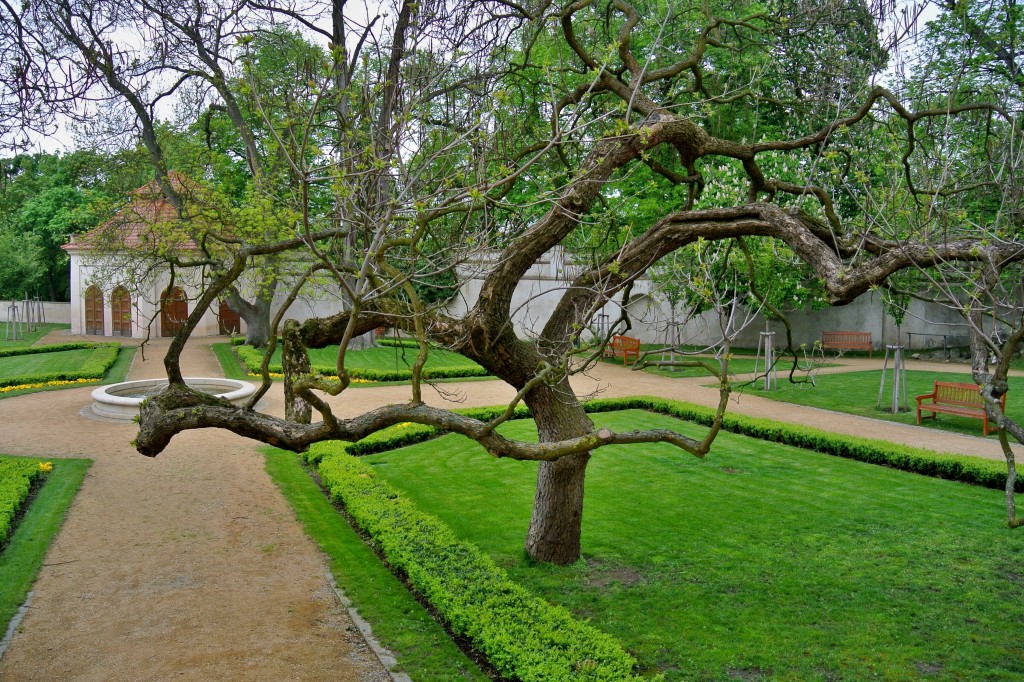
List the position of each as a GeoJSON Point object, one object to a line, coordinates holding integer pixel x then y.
{"type": "Point", "coordinates": [421, 645]}
{"type": "Point", "coordinates": [229, 362]}
{"type": "Point", "coordinates": [857, 393]}
{"type": "Point", "coordinates": [23, 555]}
{"type": "Point", "coordinates": [63, 361]}
{"type": "Point", "coordinates": [40, 363]}
{"type": "Point", "coordinates": [30, 338]}
{"type": "Point", "coordinates": [382, 359]}
{"type": "Point", "coordinates": [759, 562]}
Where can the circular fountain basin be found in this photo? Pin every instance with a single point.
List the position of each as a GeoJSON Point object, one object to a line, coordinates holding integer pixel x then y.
{"type": "Point", "coordinates": [121, 401]}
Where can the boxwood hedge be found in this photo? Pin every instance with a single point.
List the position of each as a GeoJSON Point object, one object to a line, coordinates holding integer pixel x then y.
{"type": "Point", "coordinates": [523, 637]}
{"type": "Point", "coordinates": [16, 477]}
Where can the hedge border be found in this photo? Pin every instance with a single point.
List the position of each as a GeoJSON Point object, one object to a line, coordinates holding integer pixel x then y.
{"type": "Point", "coordinates": [523, 637]}
{"type": "Point", "coordinates": [252, 358]}
{"type": "Point", "coordinates": [17, 476]}
{"type": "Point", "coordinates": [95, 368]}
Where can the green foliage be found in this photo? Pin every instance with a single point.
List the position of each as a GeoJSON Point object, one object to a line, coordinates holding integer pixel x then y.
{"type": "Point", "coordinates": [16, 478]}
{"type": "Point", "coordinates": [44, 198]}
{"type": "Point", "coordinates": [523, 637]}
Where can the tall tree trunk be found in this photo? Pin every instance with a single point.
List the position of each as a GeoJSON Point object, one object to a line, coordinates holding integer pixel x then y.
{"type": "Point", "coordinates": [557, 520]}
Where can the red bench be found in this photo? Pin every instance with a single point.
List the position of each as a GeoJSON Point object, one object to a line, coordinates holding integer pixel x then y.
{"type": "Point", "coordinates": [624, 346]}
{"type": "Point", "coordinates": [846, 341]}
{"type": "Point", "coordinates": [952, 397]}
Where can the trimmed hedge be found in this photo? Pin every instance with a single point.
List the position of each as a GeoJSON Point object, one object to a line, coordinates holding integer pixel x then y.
{"type": "Point", "coordinates": [252, 358]}
{"type": "Point", "coordinates": [962, 468]}
{"type": "Point", "coordinates": [523, 637]}
{"type": "Point", "coordinates": [95, 368]}
{"type": "Point", "coordinates": [16, 477]}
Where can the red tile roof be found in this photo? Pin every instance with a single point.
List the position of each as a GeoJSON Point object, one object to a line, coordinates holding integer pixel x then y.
{"type": "Point", "coordinates": [142, 224]}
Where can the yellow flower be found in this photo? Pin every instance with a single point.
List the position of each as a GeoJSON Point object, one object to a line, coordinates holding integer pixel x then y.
{"type": "Point", "coordinates": [46, 467]}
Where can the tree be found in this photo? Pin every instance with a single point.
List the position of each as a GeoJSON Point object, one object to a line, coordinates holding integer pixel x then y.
{"type": "Point", "coordinates": [964, 180]}
{"type": "Point", "coordinates": [450, 127]}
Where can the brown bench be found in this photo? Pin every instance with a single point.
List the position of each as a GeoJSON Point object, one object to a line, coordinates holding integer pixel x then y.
{"type": "Point", "coordinates": [846, 341]}
{"type": "Point", "coordinates": [957, 398]}
{"type": "Point", "coordinates": [624, 346]}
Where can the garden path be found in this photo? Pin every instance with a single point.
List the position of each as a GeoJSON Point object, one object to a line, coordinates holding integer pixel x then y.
{"type": "Point", "coordinates": [192, 565]}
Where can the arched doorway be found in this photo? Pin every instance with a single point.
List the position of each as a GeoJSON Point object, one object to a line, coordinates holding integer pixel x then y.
{"type": "Point", "coordinates": [173, 311]}
{"type": "Point", "coordinates": [94, 310]}
{"type": "Point", "coordinates": [120, 312]}
{"type": "Point", "coordinates": [230, 323]}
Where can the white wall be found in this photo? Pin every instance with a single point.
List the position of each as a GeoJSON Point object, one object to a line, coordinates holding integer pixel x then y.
{"type": "Point", "coordinates": [539, 291]}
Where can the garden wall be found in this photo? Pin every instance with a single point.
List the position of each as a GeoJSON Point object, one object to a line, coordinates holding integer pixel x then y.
{"type": "Point", "coordinates": [539, 291]}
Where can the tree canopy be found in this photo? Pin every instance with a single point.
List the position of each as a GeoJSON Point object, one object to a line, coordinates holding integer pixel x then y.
{"type": "Point", "coordinates": [409, 142]}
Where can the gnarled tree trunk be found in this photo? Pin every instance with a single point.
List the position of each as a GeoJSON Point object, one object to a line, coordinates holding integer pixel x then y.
{"type": "Point", "coordinates": [557, 519]}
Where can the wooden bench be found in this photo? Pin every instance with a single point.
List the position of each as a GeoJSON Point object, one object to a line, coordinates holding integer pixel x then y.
{"type": "Point", "coordinates": [624, 346]}
{"type": "Point", "coordinates": [846, 341]}
{"type": "Point", "coordinates": [952, 397]}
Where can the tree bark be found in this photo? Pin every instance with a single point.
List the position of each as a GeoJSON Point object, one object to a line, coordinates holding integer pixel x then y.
{"type": "Point", "coordinates": [557, 519]}
{"type": "Point", "coordinates": [295, 362]}
{"type": "Point", "coordinates": [256, 316]}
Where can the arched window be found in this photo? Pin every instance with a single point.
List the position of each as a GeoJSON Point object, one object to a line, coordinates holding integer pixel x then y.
{"type": "Point", "coordinates": [120, 312]}
{"type": "Point", "coordinates": [94, 310]}
{"type": "Point", "coordinates": [173, 311]}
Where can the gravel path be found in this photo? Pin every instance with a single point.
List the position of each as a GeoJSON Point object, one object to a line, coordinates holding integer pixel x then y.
{"type": "Point", "coordinates": [191, 565]}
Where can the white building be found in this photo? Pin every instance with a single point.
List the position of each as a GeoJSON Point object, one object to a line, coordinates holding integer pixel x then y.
{"type": "Point", "coordinates": [117, 290]}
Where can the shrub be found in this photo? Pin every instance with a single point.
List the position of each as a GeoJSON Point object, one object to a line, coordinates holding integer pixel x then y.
{"type": "Point", "coordinates": [16, 478]}
{"type": "Point", "coordinates": [397, 343]}
{"type": "Point", "coordinates": [523, 637]}
{"type": "Point", "coordinates": [53, 348]}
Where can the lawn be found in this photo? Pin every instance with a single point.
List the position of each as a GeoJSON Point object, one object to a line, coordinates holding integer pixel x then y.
{"type": "Point", "coordinates": [23, 554]}
{"type": "Point", "coordinates": [759, 562]}
{"type": "Point", "coordinates": [43, 363]}
{"type": "Point", "coordinates": [371, 364]}
{"type": "Point", "coordinates": [857, 393]}
{"type": "Point", "coordinates": [30, 338]}
{"type": "Point", "coordinates": [37, 370]}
